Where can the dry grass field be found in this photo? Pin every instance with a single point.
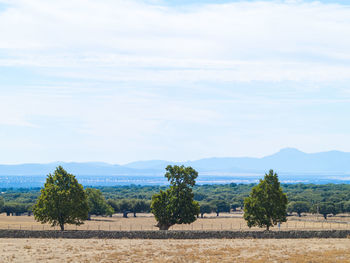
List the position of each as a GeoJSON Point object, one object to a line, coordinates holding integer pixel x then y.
{"type": "Point", "coordinates": [232, 221]}
{"type": "Point", "coordinates": [214, 250]}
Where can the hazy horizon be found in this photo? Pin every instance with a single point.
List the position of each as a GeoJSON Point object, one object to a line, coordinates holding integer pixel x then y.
{"type": "Point", "coordinates": [175, 161]}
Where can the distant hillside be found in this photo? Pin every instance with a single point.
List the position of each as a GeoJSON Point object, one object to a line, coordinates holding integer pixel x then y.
{"type": "Point", "coordinates": [287, 160]}
{"type": "Point", "coordinates": [89, 168]}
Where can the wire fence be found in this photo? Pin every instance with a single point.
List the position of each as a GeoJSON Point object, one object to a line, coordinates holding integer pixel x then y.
{"type": "Point", "coordinates": [204, 226]}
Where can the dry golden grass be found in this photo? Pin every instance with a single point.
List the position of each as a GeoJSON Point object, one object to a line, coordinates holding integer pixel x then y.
{"type": "Point", "coordinates": [232, 221]}
{"type": "Point", "coordinates": [214, 250]}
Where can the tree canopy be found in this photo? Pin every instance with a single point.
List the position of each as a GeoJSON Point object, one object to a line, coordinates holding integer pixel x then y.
{"type": "Point", "coordinates": [221, 206]}
{"type": "Point", "coordinates": [62, 200]}
{"type": "Point", "coordinates": [313, 194]}
{"type": "Point", "coordinates": [2, 202]}
{"type": "Point", "coordinates": [97, 203]}
{"type": "Point", "coordinates": [205, 208]}
{"type": "Point", "coordinates": [267, 204]}
{"type": "Point", "coordinates": [176, 205]}
{"type": "Point", "coordinates": [327, 208]}
{"type": "Point", "coordinates": [298, 207]}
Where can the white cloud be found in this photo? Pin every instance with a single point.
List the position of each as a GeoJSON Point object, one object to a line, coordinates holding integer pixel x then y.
{"type": "Point", "coordinates": [119, 81]}
{"type": "Point", "coordinates": [242, 41]}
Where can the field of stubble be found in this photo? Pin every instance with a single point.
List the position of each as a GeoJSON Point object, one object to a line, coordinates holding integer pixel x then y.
{"type": "Point", "coordinates": [214, 250]}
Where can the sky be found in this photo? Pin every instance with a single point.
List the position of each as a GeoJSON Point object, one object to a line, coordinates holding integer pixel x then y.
{"type": "Point", "coordinates": [120, 81]}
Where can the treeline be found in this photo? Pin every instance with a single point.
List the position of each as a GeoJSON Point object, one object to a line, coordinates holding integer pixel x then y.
{"type": "Point", "coordinates": [303, 198]}
{"type": "Point", "coordinates": [126, 206]}
{"type": "Point", "coordinates": [17, 202]}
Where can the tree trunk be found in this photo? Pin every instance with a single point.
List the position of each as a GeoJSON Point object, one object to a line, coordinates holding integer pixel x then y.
{"type": "Point", "coordinates": [125, 214]}
{"type": "Point", "coordinates": [62, 227]}
{"type": "Point", "coordinates": [89, 217]}
{"type": "Point", "coordinates": [217, 213]}
{"type": "Point", "coordinates": [134, 214]}
{"type": "Point", "coordinates": [202, 214]}
{"type": "Point", "coordinates": [325, 216]}
{"type": "Point", "coordinates": [163, 227]}
{"type": "Point", "coordinates": [299, 214]}
{"type": "Point", "coordinates": [267, 228]}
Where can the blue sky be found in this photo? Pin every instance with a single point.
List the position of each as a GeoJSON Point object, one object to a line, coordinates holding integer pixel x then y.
{"type": "Point", "coordinates": [119, 81]}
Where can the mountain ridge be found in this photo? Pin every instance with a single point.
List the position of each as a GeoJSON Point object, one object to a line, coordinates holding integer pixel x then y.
{"type": "Point", "coordinates": [287, 160]}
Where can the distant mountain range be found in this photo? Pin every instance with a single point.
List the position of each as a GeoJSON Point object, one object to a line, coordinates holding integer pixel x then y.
{"type": "Point", "coordinates": [286, 161]}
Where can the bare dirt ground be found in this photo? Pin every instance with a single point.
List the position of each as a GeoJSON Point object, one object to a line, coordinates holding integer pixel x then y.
{"type": "Point", "coordinates": [232, 221]}
{"type": "Point", "coordinates": [214, 250]}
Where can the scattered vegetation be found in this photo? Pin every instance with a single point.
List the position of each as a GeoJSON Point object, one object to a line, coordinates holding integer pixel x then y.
{"type": "Point", "coordinates": [327, 199]}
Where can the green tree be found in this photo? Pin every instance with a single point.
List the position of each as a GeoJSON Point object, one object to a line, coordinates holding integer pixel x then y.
{"type": "Point", "coordinates": [221, 206]}
{"type": "Point", "coordinates": [176, 204]}
{"type": "Point", "coordinates": [97, 203]}
{"type": "Point", "coordinates": [14, 208]}
{"type": "Point", "coordinates": [346, 207]}
{"type": "Point", "coordinates": [61, 201]}
{"type": "Point", "coordinates": [205, 208]}
{"type": "Point", "coordinates": [125, 207]}
{"type": "Point", "coordinates": [114, 204]}
{"type": "Point", "coordinates": [140, 206]}
{"type": "Point", "coordinates": [267, 204]}
{"type": "Point", "coordinates": [298, 207]}
{"type": "Point", "coordinates": [326, 208]}
{"type": "Point", "coordinates": [235, 205]}
{"type": "Point", "coordinates": [2, 202]}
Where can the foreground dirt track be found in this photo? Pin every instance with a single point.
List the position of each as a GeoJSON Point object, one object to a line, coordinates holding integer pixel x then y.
{"type": "Point", "coordinates": [223, 250]}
